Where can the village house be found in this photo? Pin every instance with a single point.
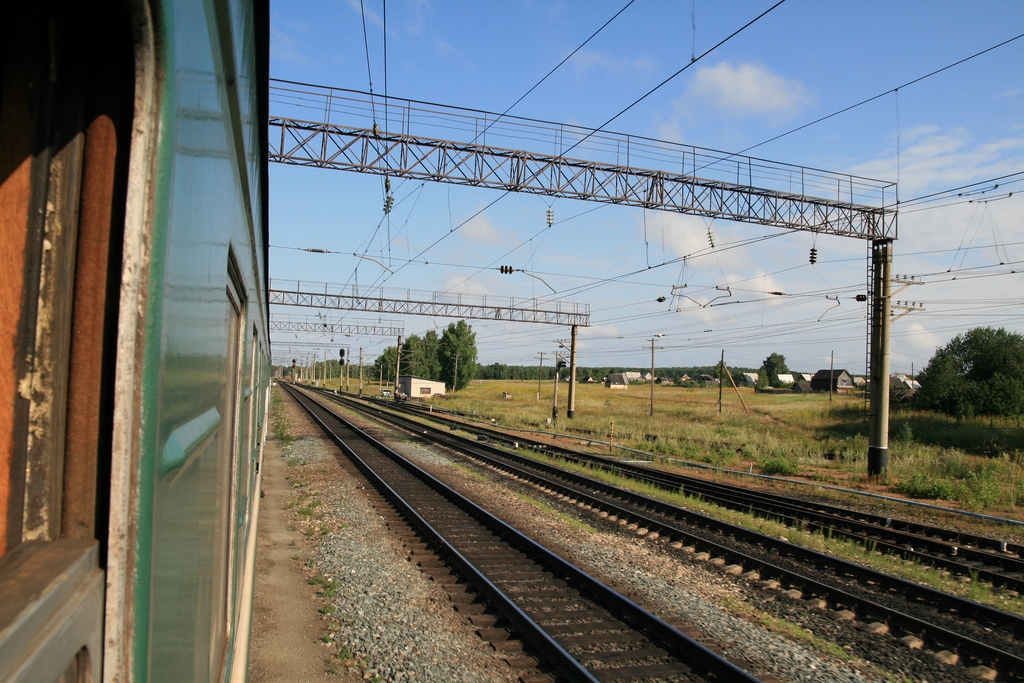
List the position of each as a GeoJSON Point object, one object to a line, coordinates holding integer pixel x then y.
{"type": "Point", "coordinates": [840, 381]}
{"type": "Point", "coordinates": [617, 380]}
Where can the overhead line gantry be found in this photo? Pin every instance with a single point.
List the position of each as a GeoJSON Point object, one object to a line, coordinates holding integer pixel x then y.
{"type": "Point", "coordinates": [339, 129]}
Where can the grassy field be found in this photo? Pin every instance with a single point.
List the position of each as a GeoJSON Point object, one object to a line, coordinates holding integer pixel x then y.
{"type": "Point", "coordinates": [977, 464]}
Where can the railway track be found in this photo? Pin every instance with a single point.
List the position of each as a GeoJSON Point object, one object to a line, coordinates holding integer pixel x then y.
{"type": "Point", "coordinates": [942, 628]}
{"type": "Point", "coordinates": [581, 629]}
{"type": "Point", "coordinates": [991, 560]}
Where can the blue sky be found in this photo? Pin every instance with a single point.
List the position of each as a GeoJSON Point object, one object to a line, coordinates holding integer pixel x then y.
{"type": "Point", "coordinates": [804, 60]}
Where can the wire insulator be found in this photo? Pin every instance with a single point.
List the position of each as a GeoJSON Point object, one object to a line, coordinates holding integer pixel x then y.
{"type": "Point", "coordinates": [711, 238]}
{"type": "Point", "coordinates": [814, 255]}
{"type": "Point", "coordinates": [551, 216]}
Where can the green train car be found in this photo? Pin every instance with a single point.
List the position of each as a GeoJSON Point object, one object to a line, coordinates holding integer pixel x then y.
{"type": "Point", "coordinates": [133, 337]}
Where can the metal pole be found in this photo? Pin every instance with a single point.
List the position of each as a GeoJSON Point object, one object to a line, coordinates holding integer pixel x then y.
{"type": "Point", "coordinates": [878, 417]}
{"type": "Point", "coordinates": [571, 410]}
{"type": "Point", "coordinates": [455, 379]}
{"type": "Point", "coordinates": [360, 370]}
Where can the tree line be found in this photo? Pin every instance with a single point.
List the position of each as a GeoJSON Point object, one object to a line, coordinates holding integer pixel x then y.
{"type": "Point", "coordinates": [979, 372]}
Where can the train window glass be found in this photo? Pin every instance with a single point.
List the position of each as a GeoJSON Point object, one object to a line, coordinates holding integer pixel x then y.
{"type": "Point", "coordinates": [228, 501]}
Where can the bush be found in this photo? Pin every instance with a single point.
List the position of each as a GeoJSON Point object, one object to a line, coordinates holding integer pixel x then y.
{"type": "Point", "coordinates": [921, 485]}
{"type": "Point", "coordinates": [777, 465]}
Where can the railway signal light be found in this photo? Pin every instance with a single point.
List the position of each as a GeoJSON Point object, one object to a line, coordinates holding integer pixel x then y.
{"type": "Point", "coordinates": [560, 364]}
{"type": "Point", "coordinates": [341, 354]}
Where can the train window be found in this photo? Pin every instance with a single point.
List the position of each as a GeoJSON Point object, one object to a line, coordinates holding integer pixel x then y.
{"type": "Point", "coordinates": [228, 471]}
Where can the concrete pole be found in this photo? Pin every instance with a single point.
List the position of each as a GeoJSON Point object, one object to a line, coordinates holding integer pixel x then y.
{"type": "Point", "coordinates": [398, 365]}
{"type": "Point", "coordinates": [650, 411]}
{"type": "Point", "coordinates": [878, 416]}
{"type": "Point", "coordinates": [540, 370]}
{"type": "Point", "coordinates": [554, 400]}
{"type": "Point", "coordinates": [831, 375]}
{"type": "Point", "coordinates": [571, 410]}
{"type": "Point", "coordinates": [721, 378]}
{"type": "Point", "coordinates": [360, 370]}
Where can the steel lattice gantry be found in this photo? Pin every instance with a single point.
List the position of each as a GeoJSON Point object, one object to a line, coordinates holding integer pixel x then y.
{"type": "Point", "coordinates": [316, 326]}
{"type": "Point", "coordinates": [443, 306]}
{"type": "Point", "coordinates": [621, 169]}
{"type": "Point", "coordinates": [409, 139]}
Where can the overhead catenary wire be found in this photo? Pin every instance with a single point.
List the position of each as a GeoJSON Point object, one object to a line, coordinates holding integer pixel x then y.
{"type": "Point", "coordinates": [880, 95]}
{"type": "Point", "coordinates": [630, 106]}
{"type": "Point", "coordinates": [520, 99]}
{"type": "Point", "coordinates": [677, 73]}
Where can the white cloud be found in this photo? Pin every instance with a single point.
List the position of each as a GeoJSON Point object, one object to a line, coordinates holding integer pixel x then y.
{"type": "Point", "coordinates": [482, 231]}
{"type": "Point", "coordinates": [585, 61]}
{"type": "Point", "coordinates": [938, 160]}
{"type": "Point", "coordinates": [749, 89]}
{"type": "Point", "coordinates": [289, 40]}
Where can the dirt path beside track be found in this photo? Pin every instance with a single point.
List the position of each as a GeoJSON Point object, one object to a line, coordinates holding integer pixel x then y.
{"type": "Point", "coordinates": [286, 626]}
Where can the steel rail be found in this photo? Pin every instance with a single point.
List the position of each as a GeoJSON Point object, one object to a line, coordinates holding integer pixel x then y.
{"type": "Point", "coordinates": [584, 493]}
{"type": "Point", "coordinates": [696, 654]}
{"type": "Point", "coordinates": [969, 547]}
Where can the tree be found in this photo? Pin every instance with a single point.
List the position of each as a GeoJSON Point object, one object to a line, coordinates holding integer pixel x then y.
{"type": "Point", "coordinates": [980, 372]}
{"type": "Point", "coordinates": [419, 356]}
{"type": "Point", "coordinates": [431, 364]}
{"type": "Point", "coordinates": [456, 352]}
{"type": "Point", "coordinates": [773, 366]}
{"type": "Point", "coordinates": [384, 366]}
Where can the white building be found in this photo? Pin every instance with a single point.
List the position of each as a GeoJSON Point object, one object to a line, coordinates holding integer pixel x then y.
{"type": "Point", "coordinates": [417, 387]}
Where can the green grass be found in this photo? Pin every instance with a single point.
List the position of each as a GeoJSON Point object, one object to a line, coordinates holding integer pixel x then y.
{"type": "Point", "coordinates": [469, 471]}
{"type": "Point", "coordinates": [547, 509]}
{"type": "Point", "coordinates": [279, 422]}
{"type": "Point", "coordinates": [978, 463]}
{"type": "Point", "coordinates": [310, 508]}
{"type": "Point", "coordinates": [784, 628]}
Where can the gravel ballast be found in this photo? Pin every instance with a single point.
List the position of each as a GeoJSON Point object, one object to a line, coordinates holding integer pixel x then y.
{"type": "Point", "coordinates": [385, 620]}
